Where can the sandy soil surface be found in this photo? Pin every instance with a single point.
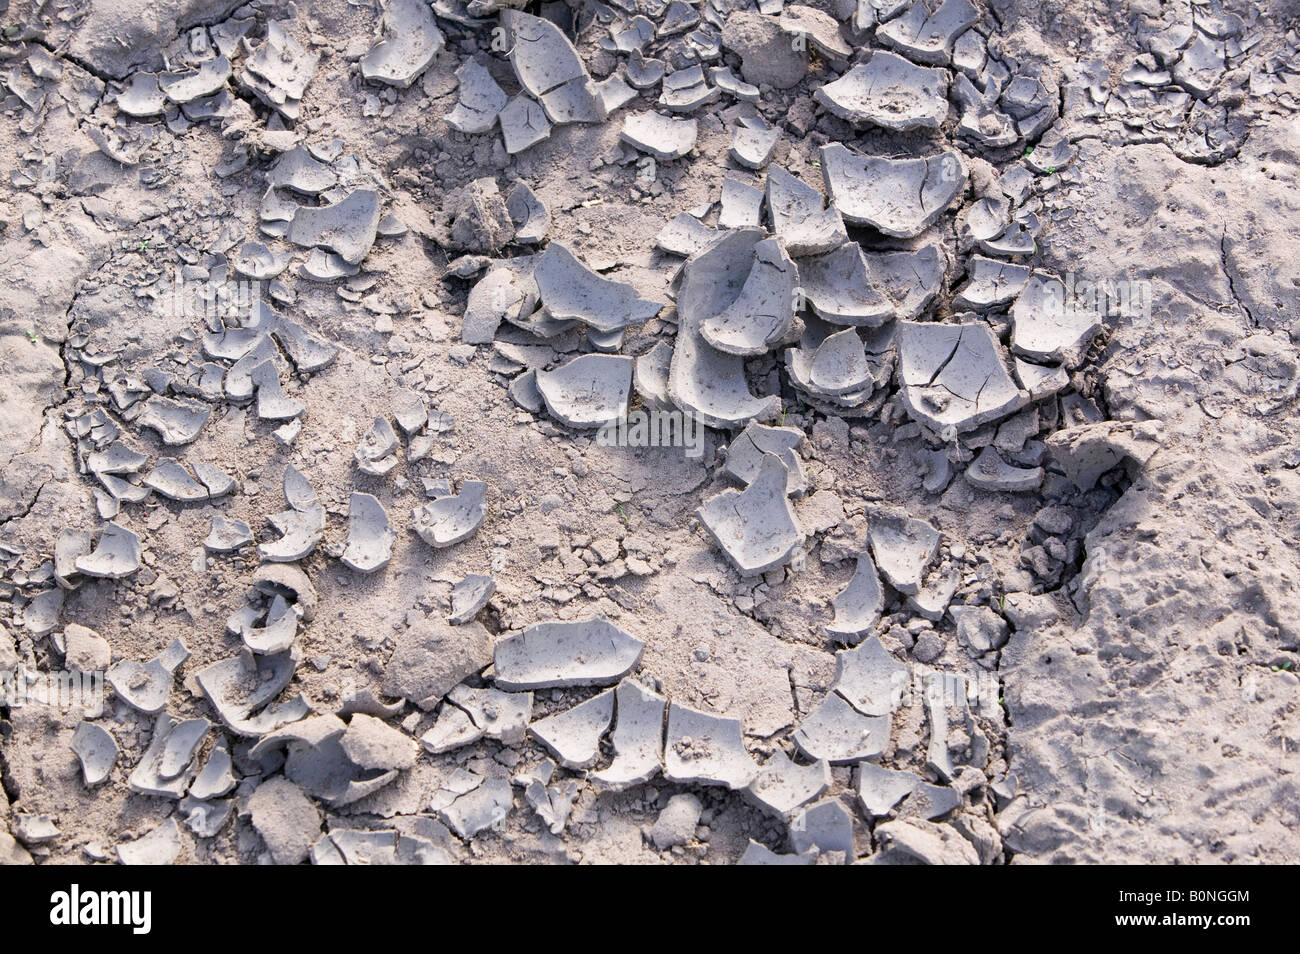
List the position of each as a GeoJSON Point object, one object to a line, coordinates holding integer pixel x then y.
{"type": "Point", "coordinates": [976, 542]}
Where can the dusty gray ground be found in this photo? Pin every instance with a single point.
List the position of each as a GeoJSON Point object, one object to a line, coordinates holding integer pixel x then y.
{"type": "Point", "coordinates": [1148, 705]}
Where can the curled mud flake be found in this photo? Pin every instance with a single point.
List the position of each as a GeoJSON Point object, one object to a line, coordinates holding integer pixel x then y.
{"type": "Point", "coordinates": [161, 846]}
{"type": "Point", "coordinates": [869, 678]}
{"type": "Point", "coordinates": [479, 809]}
{"type": "Point", "coordinates": [990, 284]}
{"type": "Point", "coordinates": [258, 262]}
{"type": "Point", "coordinates": [990, 472]}
{"type": "Point", "coordinates": [370, 535]}
{"type": "Point", "coordinates": [800, 216]}
{"type": "Point", "coordinates": [277, 632]}
{"type": "Point", "coordinates": [170, 478]}
{"type": "Point", "coordinates": [840, 287]}
{"type": "Point", "coordinates": [858, 606]}
{"type": "Point", "coordinates": [590, 652]}
{"type": "Point", "coordinates": [97, 750]}
{"type": "Point", "coordinates": [703, 381]}
{"type": "Point", "coordinates": [890, 92]}
{"type": "Point", "coordinates": [116, 554]}
{"type": "Point", "coordinates": [190, 85]}
{"type": "Point", "coordinates": [410, 41]}
{"type": "Point", "coordinates": [899, 197]}
{"type": "Point", "coordinates": [589, 391]}
{"type": "Point", "coordinates": [451, 519]}
{"type": "Point", "coordinates": [904, 548]}
{"type": "Point", "coordinates": [881, 789]}
{"type": "Point", "coordinates": [469, 596]}
{"type": "Point", "coordinates": [926, 36]}
{"type": "Point", "coordinates": [763, 312]}
{"type": "Point", "coordinates": [175, 422]}
{"type": "Point", "coordinates": [227, 535]}
{"type": "Point", "coordinates": [661, 136]}
{"type": "Point", "coordinates": [142, 97]}
{"type": "Point", "coordinates": [347, 228]}
{"type": "Point", "coordinates": [684, 235]}
{"type": "Point", "coordinates": [570, 290]}
{"type": "Point", "coordinates": [530, 215]}
{"type": "Point", "coordinates": [1048, 329]}
{"type": "Point", "coordinates": [955, 376]}
{"type": "Point", "coordinates": [523, 124]}
{"type": "Point", "coordinates": [650, 376]}
{"type": "Point", "coordinates": [148, 686]}
{"type": "Point", "coordinates": [216, 778]}
{"type": "Point", "coordinates": [756, 528]}
{"type": "Point", "coordinates": [746, 452]}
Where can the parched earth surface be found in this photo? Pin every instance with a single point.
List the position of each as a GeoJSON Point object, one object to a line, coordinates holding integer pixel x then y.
{"type": "Point", "coordinates": [978, 322]}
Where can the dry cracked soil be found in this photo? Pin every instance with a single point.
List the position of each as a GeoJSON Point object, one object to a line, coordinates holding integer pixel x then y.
{"type": "Point", "coordinates": [653, 431]}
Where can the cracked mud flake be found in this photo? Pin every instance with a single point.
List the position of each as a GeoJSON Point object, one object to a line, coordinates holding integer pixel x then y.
{"type": "Point", "coordinates": [347, 228]}
{"type": "Point", "coordinates": [241, 689]}
{"type": "Point", "coordinates": [890, 92]}
{"type": "Point", "coordinates": [880, 789]}
{"type": "Point", "coordinates": [175, 421]}
{"type": "Point", "coordinates": [825, 827]}
{"type": "Point", "coordinates": [840, 287]}
{"type": "Point", "coordinates": [523, 124]}
{"type": "Point", "coordinates": [754, 148]}
{"type": "Point", "coordinates": [451, 519]}
{"type": "Point", "coordinates": [926, 32]}
{"type": "Point", "coordinates": [782, 786]}
{"type": "Point", "coordinates": [904, 547]}
{"type": "Point", "coordinates": [954, 376]}
{"type": "Point", "coordinates": [990, 283]}
{"type": "Point", "coordinates": [706, 749]}
{"type": "Point", "coordinates": [638, 738]}
{"type": "Point", "coordinates": [747, 450]}
{"type": "Point", "coordinates": [756, 528]}
{"type": "Point", "coordinates": [800, 216]}
{"type": "Point", "coordinates": [187, 86]}
{"type": "Point", "coordinates": [147, 686]}
{"type": "Point", "coordinates": [410, 41]}
{"type": "Point", "coordinates": [840, 734]}
{"type": "Point", "coordinates": [116, 555]}
{"type": "Point", "coordinates": [573, 736]}
{"type": "Point", "coordinates": [763, 311]}
{"type": "Point", "coordinates": [990, 472]}
{"type": "Point", "coordinates": [684, 235]}
{"type": "Point", "coordinates": [1048, 329]}
{"type": "Point", "coordinates": [590, 652]}
{"type": "Point", "coordinates": [480, 808]}
{"type": "Point", "coordinates": [663, 137]}
{"type": "Point", "coordinates": [469, 596]}
{"type": "Point", "coordinates": [541, 54]}
{"type": "Point", "coordinates": [588, 391]}
{"type": "Point", "coordinates": [899, 197]}
{"type": "Point", "coordinates": [869, 678]}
